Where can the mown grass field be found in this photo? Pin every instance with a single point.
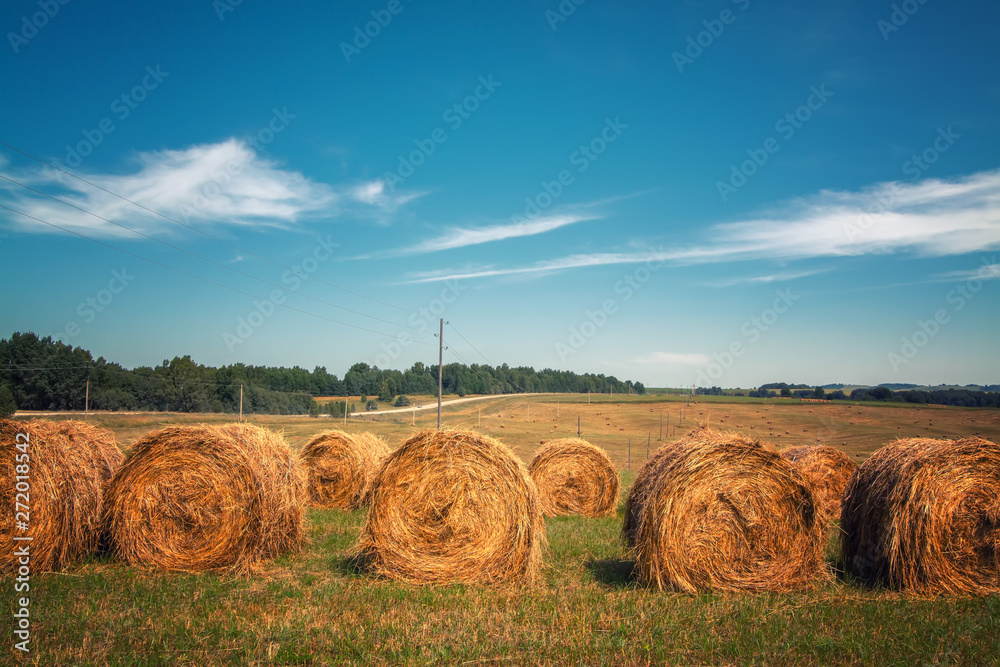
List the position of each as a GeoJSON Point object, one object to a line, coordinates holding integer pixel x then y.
{"type": "Point", "coordinates": [315, 608]}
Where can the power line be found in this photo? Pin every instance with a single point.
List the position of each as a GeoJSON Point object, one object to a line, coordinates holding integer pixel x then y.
{"type": "Point", "coordinates": [459, 356]}
{"type": "Point", "coordinates": [206, 280]}
{"type": "Point", "coordinates": [198, 231]}
{"type": "Point", "coordinates": [470, 344]}
{"type": "Point", "coordinates": [197, 256]}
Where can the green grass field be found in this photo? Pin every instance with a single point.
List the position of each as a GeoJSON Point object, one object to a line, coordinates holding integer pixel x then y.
{"type": "Point", "coordinates": [315, 608]}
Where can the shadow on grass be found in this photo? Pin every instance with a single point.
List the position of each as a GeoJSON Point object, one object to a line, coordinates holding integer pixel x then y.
{"type": "Point", "coordinates": [613, 573]}
{"type": "Point", "coordinates": [350, 566]}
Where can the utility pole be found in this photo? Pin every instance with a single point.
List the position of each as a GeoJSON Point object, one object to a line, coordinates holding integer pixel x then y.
{"type": "Point", "coordinates": [578, 426]}
{"type": "Point", "coordinates": [345, 410]}
{"type": "Point", "coordinates": [630, 453]}
{"type": "Point", "coordinates": [440, 369]}
{"type": "Point", "coordinates": [661, 427]}
{"type": "Point", "coordinates": [86, 396]}
{"type": "Point", "coordinates": [241, 401]}
{"type": "Point", "coordinates": [413, 417]}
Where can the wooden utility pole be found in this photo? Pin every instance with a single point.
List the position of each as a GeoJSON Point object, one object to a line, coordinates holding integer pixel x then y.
{"type": "Point", "coordinates": [578, 426]}
{"type": "Point", "coordinates": [345, 410]}
{"type": "Point", "coordinates": [440, 369]}
{"type": "Point", "coordinates": [661, 427]}
{"type": "Point", "coordinates": [241, 401]}
{"type": "Point", "coordinates": [86, 396]}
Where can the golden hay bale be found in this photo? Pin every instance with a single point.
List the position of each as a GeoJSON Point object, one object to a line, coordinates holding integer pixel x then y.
{"type": "Point", "coordinates": [453, 507]}
{"type": "Point", "coordinates": [341, 467]}
{"type": "Point", "coordinates": [923, 515]}
{"type": "Point", "coordinates": [205, 497]}
{"type": "Point", "coordinates": [720, 511]}
{"type": "Point", "coordinates": [827, 470]}
{"type": "Point", "coordinates": [574, 477]}
{"type": "Point", "coordinates": [68, 466]}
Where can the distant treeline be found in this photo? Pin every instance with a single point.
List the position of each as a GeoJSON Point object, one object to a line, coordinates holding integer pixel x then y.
{"type": "Point", "coordinates": [42, 374]}
{"type": "Point", "coordinates": [960, 397]}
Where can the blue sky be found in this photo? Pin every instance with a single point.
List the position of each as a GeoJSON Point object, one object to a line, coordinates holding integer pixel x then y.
{"type": "Point", "coordinates": [686, 193]}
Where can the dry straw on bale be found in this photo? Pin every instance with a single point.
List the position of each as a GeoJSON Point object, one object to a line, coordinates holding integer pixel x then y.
{"type": "Point", "coordinates": [827, 470]}
{"type": "Point", "coordinates": [720, 511]}
{"type": "Point", "coordinates": [341, 467]}
{"type": "Point", "coordinates": [204, 497]}
{"type": "Point", "coordinates": [453, 507]}
{"type": "Point", "coordinates": [574, 477]}
{"type": "Point", "coordinates": [923, 515]}
{"type": "Point", "coordinates": [68, 466]}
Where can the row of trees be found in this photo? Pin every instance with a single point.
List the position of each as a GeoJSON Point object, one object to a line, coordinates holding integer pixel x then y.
{"type": "Point", "coordinates": [42, 374]}
{"type": "Point", "coordinates": [958, 397]}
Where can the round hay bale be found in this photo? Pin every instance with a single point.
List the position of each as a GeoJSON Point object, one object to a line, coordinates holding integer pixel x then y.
{"type": "Point", "coordinates": [723, 512]}
{"type": "Point", "coordinates": [453, 507]}
{"type": "Point", "coordinates": [207, 497]}
{"type": "Point", "coordinates": [923, 515]}
{"type": "Point", "coordinates": [640, 489]}
{"type": "Point", "coordinates": [68, 466]}
{"type": "Point", "coordinates": [574, 477]}
{"type": "Point", "coordinates": [827, 470]}
{"type": "Point", "coordinates": [341, 468]}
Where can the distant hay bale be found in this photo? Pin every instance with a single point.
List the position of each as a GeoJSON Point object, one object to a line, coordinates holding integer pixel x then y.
{"type": "Point", "coordinates": [827, 470]}
{"type": "Point", "coordinates": [207, 497]}
{"type": "Point", "coordinates": [453, 507]}
{"type": "Point", "coordinates": [341, 467]}
{"type": "Point", "coordinates": [720, 511]}
{"type": "Point", "coordinates": [923, 515]}
{"type": "Point", "coordinates": [574, 477]}
{"type": "Point", "coordinates": [68, 465]}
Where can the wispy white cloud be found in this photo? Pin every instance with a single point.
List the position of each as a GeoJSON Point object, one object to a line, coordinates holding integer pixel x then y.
{"type": "Point", "coordinates": [932, 218]}
{"type": "Point", "coordinates": [770, 278]}
{"type": "Point", "coordinates": [672, 359]}
{"type": "Point", "coordinates": [225, 184]}
{"type": "Point", "coordinates": [985, 272]}
{"type": "Point", "coordinates": [460, 237]}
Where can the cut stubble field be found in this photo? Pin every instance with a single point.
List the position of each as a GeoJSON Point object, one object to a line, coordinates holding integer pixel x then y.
{"type": "Point", "coordinates": [318, 608]}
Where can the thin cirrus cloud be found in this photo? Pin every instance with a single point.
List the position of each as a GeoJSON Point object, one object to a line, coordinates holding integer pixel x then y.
{"type": "Point", "coordinates": [225, 183]}
{"type": "Point", "coordinates": [931, 218]}
{"type": "Point", "coordinates": [673, 359]}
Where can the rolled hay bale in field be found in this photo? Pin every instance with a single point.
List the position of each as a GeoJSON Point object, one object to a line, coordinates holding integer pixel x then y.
{"type": "Point", "coordinates": [59, 472]}
{"type": "Point", "coordinates": [574, 477]}
{"type": "Point", "coordinates": [453, 507]}
{"type": "Point", "coordinates": [723, 512]}
{"type": "Point", "coordinates": [827, 470]}
{"type": "Point", "coordinates": [341, 467]}
{"type": "Point", "coordinates": [207, 497]}
{"type": "Point", "coordinates": [923, 515]}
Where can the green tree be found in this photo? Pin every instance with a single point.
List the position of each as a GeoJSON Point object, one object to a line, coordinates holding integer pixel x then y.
{"type": "Point", "coordinates": [402, 401]}
{"type": "Point", "coordinates": [786, 392]}
{"type": "Point", "coordinates": [7, 405]}
{"type": "Point", "coordinates": [820, 392]}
